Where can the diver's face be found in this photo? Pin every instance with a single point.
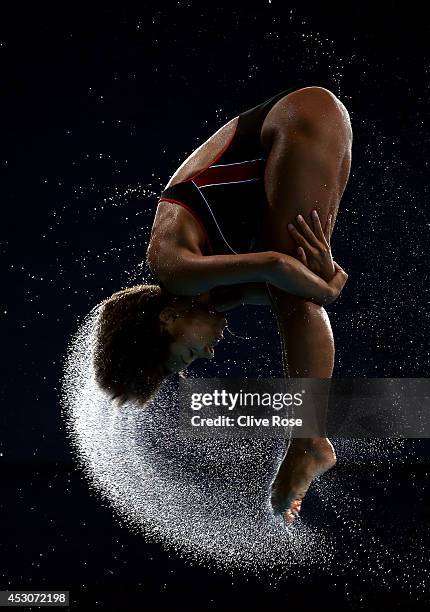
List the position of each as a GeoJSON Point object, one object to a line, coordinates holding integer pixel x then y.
{"type": "Point", "coordinates": [195, 331]}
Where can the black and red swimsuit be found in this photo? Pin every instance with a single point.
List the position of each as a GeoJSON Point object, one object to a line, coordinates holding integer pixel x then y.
{"type": "Point", "coordinates": [227, 197]}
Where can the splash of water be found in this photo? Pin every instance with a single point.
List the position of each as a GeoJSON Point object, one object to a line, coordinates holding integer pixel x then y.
{"type": "Point", "coordinates": [208, 499]}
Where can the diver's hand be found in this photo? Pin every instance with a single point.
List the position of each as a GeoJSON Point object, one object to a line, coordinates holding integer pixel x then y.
{"type": "Point", "coordinates": [337, 283]}
{"type": "Point", "coordinates": [290, 275]}
{"type": "Point", "coordinates": [314, 245]}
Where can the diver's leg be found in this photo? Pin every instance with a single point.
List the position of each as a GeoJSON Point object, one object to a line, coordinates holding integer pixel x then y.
{"type": "Point", "coordinates": [307, 137]}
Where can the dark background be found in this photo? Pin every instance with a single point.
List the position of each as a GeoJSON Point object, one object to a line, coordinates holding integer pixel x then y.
{"type": "Point", "coordinates": [98, 108]}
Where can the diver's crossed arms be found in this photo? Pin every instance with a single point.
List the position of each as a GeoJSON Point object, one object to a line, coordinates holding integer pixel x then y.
{"type": "Point", "coordinates": [314, 276]}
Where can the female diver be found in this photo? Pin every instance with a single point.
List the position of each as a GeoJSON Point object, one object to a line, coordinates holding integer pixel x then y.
{"type": "Point", "coordinates": [241, 222]}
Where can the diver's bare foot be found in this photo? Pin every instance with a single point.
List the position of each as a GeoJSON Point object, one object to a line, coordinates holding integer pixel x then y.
{"type": "Point", "coordinates": [306, 459]}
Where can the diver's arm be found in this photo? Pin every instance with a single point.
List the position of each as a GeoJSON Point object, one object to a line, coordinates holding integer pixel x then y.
{"type": "Point", "coordinates": [188, 273]}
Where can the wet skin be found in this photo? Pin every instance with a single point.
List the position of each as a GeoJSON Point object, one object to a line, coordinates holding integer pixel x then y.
{"type": "Point", "coordinates": [307, 138]}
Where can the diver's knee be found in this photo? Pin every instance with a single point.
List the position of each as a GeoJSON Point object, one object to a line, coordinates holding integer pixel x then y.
{"type": "Point", "coordinates": [312, 111]}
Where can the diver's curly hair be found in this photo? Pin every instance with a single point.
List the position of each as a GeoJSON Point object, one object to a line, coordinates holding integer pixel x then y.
{"type": "Point", "coordinates": [130, 347]}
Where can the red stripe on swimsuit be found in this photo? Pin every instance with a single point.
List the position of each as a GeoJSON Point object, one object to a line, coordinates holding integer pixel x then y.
{"type": "Point", "coordinates": [230, 173]}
